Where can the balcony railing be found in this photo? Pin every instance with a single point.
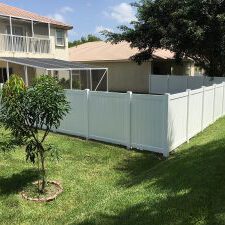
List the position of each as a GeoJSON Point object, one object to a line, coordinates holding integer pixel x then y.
{"type": "Point", "coordinates": [14, 43]}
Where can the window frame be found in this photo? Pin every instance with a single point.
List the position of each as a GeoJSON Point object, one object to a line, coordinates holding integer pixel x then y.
{"type": "Point", "coordinates": [62, 37]}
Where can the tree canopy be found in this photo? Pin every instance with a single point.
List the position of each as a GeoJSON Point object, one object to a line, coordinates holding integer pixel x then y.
{"type": "Point", "coordinates": [89, 38]}
{"type": "Point", "coordinates": [190, 28]}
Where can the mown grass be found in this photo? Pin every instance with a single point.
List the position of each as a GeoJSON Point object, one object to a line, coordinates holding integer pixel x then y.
{"type": "Point", "coordinates": [106, 185]}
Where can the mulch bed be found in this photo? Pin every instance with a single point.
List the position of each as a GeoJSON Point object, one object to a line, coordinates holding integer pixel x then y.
{"type": "Point", "coordinates": [53, 189]}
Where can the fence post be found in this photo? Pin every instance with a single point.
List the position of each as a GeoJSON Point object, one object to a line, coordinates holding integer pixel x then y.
{"type": "Point", "coordinates": [129, 96]}
{"type": "Point", "coordinates": [168, 84]}
{"type": "Point", "coordinates": [188, 114]}
{"type": "Point", "coordinates": [166, 142]}
{"type": "Point", "coordinates": [203, 107]}
{"type": "Point", "coordinates": [187, 83]}
{"type": "Point", "coordinates": [149, 83]}
{"type": "Point", "coordinates": [87, 92]}
{"type": "Point", "coordinates": [223, 98]}
{"type": "Point", "coordinates": [214, 101]}
{"type": "Point", "coordinates": [204, 81]}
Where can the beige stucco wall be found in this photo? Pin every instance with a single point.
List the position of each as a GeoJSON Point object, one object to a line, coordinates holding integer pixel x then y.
{"type": "Point", "coordinates": [40, 31]}
{"type": "Point", "coordinates": [127, 76]}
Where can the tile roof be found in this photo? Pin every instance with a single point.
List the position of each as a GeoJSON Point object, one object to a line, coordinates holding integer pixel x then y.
{"type": "Point", "coordinates": [7, 10]}
{"type": "Point", "coordinates": [105, 51]}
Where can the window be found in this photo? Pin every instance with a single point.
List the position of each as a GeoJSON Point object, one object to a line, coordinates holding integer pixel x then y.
{"type": "Point", "coordinates": [60, 38]}
{"type": "Point", "coordinates": [16, 30]}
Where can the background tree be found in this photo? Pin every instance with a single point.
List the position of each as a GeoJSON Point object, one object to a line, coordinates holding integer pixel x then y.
{"type": "Point", "coordinates": [31, 113]}
{"type": "Point", "coordinates": [190, 28]}
{"type": "Point", "coordinates": [89, 38]}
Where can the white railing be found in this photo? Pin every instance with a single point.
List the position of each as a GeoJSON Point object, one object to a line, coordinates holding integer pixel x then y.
{"type": "Point", "coordinates": [14, 43]}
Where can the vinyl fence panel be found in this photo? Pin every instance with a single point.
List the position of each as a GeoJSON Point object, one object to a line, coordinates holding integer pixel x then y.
{"type": "Point", "coordinates": [195, 112]}
{"type": "Point", "coordinates": [178, 106]}
{"type": "Point", "coordinates": [195, 82]}
{"type": "Point", "coordinates": [76, 122]}
{"type": "Point", "coordinates": [218, 105]}
{"type": "Point", "coordinates": [177, 84]}
{"type": "Point", "coordinates": [148, 122]}
{"type": "Point", "coordinates": [109, 117]}
{"type": "Point", "coordinates": [158, 84]}
{"type": "Point", "coordinates": [208, 106]}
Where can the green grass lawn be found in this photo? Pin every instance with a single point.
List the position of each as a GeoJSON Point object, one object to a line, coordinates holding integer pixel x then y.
{"type": "Point", "coordinates": [105, 185]}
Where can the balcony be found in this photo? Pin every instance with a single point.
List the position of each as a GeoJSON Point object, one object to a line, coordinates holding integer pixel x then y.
{"type": "Point", "coordinates": [24, 44]}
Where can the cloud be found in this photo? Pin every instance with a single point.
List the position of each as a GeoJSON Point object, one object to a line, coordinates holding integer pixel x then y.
{"type": "Point", "coordinates": [60, 15]}
{"type": "Point", "coordinates": [66, 9]}
{"type": "Point", "coordinates": [122, 13]}
{"type": "Point", "coordinates": [101, 28]}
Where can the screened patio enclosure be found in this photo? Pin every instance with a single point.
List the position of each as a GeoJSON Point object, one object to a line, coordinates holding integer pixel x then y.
{"type": "Point", "coordinates": [70, 75]}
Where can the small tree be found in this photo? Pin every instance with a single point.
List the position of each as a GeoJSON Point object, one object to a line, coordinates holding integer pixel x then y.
{"type": "Point", "coordinates": [31, 113]}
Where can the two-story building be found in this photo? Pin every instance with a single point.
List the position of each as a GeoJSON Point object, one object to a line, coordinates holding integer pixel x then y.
{"type": "Point", "coordinates": [31, 45]}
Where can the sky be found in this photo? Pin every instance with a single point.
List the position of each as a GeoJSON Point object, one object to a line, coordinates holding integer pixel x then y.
{"type": "Point", "coordinates": [86, 16]}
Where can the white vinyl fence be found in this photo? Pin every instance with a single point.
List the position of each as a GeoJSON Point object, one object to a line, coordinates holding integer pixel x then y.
{"type": "Point", "coordinates": [192, 111]}
{"type": "Point", "coordinates": [135, 121]}
{"type": "Point", "coordinates": [161, 84]}
{"type": "Point", "coordinates": [158, 123]}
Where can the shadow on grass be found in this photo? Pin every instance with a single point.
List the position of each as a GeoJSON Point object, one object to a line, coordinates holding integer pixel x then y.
{"type": "Point", "coordinates": [188, 188]}
{"type": "Point", "coordinates": [133, 169]}
{"type": "Point", "coordinates": [16, 183]}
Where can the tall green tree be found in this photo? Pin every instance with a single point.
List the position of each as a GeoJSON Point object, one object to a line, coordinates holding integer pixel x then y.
{"type": "Point", "coordinates": [190, 28]}
{"type": "Point", "coordinates": [31, 113]}
{"type": "Point", "coordinates": [89, 38]}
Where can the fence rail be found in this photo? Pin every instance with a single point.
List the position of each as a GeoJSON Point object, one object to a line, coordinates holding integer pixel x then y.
{"type": "Point", "coordinates": [14, 43]}
{"type": "Point", "coordinates": [161, 84]}
{"type": "Point", "coordinates": [158, 123]}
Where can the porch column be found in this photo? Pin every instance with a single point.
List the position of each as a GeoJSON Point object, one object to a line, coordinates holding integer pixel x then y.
{"type": "Point", "coordinates": [26, 75]}
{"type": "Point", "coordinates": [11, 33]}
{"type": "Point", "coordinates": [7, 70]}
{"type": "Point", "coordinates": [32, 35]}
{"type": "Point", "coordinates": [80, 79]}
{"type": "Point", "coordinates": [32, 28]}
{"type": "Point", "coordinates": [107, 80]}
{"type": "Point", "coordinates": [49, 30]}
{"type": "Point", "coordinates": [91, 79]}
{"type": "Point", "coordinates": [71, 79]}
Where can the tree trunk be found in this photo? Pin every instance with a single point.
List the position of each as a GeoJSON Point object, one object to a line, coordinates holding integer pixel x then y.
{"type": "Point", "coordinates": [43, 173]}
